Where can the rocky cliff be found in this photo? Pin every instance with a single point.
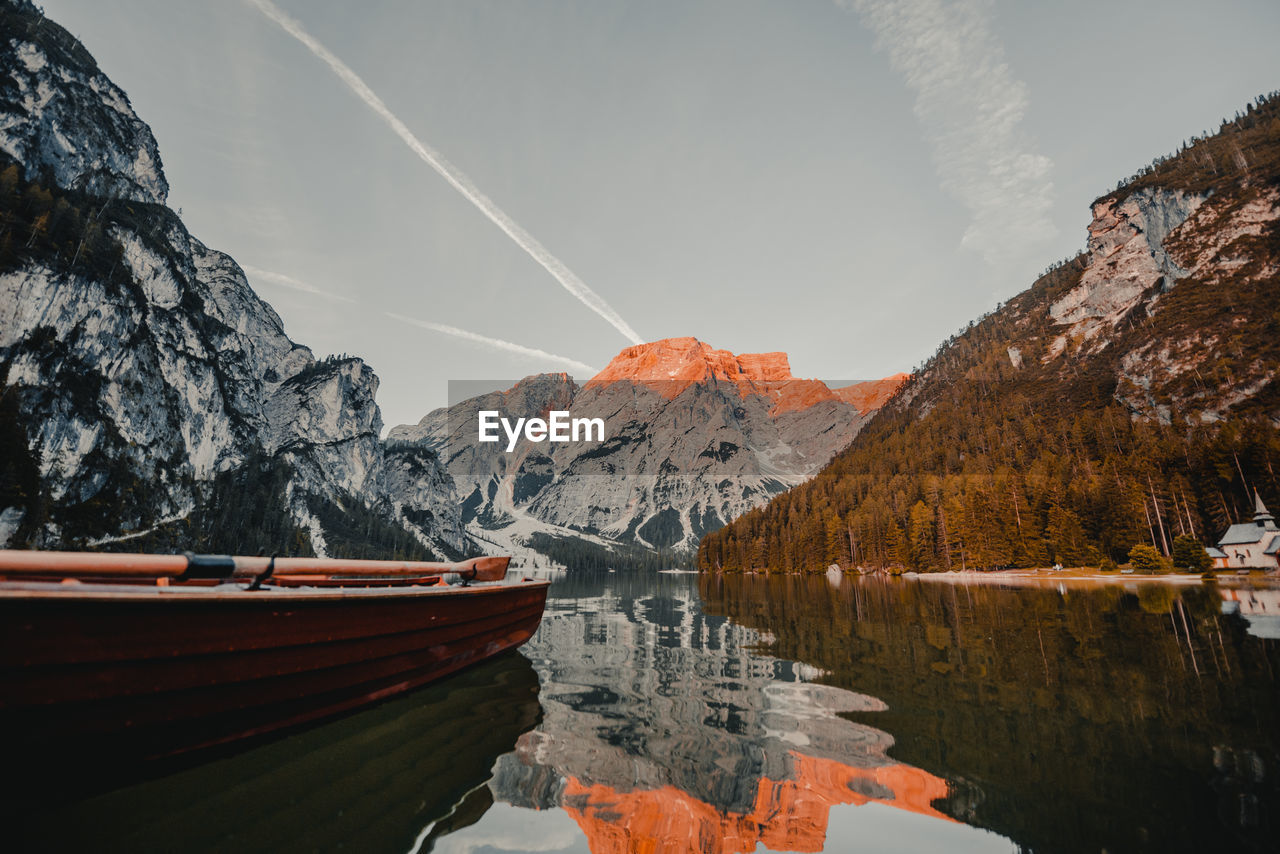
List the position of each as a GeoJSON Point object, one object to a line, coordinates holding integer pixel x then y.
{"type": "Point", "coordinates": [693, 436]}
{"type": "Point", "coordinates": [1140, 247]}
{"type": "Point", "coordinates": [147, 394]}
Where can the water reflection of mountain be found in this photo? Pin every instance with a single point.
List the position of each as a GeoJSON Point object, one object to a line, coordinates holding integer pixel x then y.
{"type": "Point", "coordinates": [1141, 720]}
{"type": "Point", "coordinates": [368, 782]}
{"type": "Point", "coordinates": [786, 815]}
{"type": "Point", "coordinates": [662, 724]}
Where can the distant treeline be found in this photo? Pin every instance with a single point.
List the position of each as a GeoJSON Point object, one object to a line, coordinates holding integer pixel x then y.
{"type": "Point", "coordinates": [246, 511]}
{"type": "Point", "coordinates": [576, 555]}
{"type": "Point", "coordinates": [1241, 146]}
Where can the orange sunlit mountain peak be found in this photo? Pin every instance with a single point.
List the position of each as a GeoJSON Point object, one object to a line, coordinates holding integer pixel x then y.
{"type": "Point", "coordinates": [671, 365]}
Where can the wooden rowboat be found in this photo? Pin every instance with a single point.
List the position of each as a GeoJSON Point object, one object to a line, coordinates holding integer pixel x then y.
{"type": "Point", "coordinates": [158, 654]}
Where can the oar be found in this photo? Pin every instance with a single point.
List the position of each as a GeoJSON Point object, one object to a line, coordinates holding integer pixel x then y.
{"type": "Point", "coordinates": [19, 563]}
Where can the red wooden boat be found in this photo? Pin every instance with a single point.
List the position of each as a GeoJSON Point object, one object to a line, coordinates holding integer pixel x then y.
{"type": "Point", "coordinates": [157, 654]}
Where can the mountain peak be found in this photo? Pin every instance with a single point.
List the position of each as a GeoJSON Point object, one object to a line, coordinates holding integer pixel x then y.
{"type": "Point", "coordinates": [682, 361]}
{"type": "Point", "coordinates": [65, 123]}
{"type": "Point", "coordinates": [671, 365]}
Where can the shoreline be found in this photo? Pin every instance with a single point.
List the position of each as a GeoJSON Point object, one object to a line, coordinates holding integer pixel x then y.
{"type": "Point", "coordinates": [1091, 578]}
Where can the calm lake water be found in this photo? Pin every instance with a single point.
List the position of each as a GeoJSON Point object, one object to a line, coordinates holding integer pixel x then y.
{"type": "Point", "coordinates": [676, 712]}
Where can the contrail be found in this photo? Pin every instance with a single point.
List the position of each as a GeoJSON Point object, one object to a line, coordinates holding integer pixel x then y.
{"type": "Point", "coordinates": [475, 337]}
{"type": "Point", "coordinates": [452, 174]}
{"type": "Point", "coordinates": [496, 343]}
{"type": "Point", "coordinates": [290, 282]}
{"type": "Point", "coordinates": [972, 109]}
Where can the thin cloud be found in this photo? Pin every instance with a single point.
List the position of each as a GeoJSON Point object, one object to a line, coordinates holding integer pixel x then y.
{"type": "Point", "coordinates": [971, 107]}
{"type": "Point", "coordinates": [497, 344]}
{"type": "Point", "coordinates": [290, 282]}
{"type": "Point", "coordinates": [452, 174]}
{"type": "Point", "coordinates": [258, 274]}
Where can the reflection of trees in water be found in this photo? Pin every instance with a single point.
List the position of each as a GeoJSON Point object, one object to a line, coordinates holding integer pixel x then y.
{"type": "Point", "coordinates": [1081, 720]}
{"type": "Point", "coordinates": [647, 701]}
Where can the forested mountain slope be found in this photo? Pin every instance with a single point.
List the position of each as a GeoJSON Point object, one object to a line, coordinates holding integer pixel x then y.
{"type": "Point", "coordinates": [1128, 396]}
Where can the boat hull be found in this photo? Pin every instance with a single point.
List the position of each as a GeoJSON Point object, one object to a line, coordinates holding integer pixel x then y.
{"type": "Point", "coordinates": [155, 671]}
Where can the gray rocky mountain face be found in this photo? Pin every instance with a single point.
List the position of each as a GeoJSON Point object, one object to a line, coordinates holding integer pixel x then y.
{"type": "Point", "coordinates": [679, 458]}
{"type": "Point", "coordinates": [145, 389]}
{"type": "Point", "coordinates": [63, 119]}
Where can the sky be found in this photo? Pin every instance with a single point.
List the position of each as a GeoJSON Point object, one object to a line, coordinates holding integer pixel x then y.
{"type": "Point", "coordinates": [487, 189]}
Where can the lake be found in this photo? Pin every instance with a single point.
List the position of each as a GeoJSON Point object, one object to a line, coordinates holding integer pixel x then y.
{"type": "Point", "coordinates": [677, 712]}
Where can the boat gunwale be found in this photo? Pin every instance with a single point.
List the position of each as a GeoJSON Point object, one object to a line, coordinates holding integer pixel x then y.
{"type": "Point", "coordinates": [87, 592]}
